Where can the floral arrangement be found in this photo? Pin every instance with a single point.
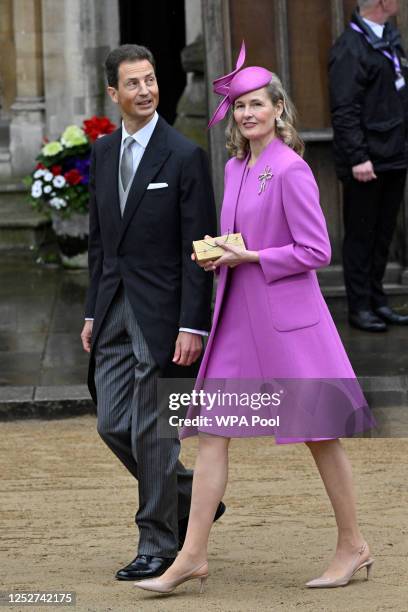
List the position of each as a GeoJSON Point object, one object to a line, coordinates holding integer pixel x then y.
{"type": "Point", "coordinates": [60, 179]}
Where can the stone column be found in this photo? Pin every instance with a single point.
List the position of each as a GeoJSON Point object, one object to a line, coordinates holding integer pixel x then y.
{"type": "Point", "coordinates": [77, 38]}
{"type": "Point", "coordinates": [194, 26]}
{"type": "Point", "coordinates": [7, 59]}
{"type": "Point", "coordinates": [192, 107]}
{"type": "Point", "coordinates": [7, 83]}
{"type": "Point", "coordinates": [216, 51]}
{"type": "Point", "coordinates": [27, 112]}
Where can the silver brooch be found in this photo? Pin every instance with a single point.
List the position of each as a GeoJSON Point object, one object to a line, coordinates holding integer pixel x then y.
{"type": "Point", "coordinates": [265, 176]}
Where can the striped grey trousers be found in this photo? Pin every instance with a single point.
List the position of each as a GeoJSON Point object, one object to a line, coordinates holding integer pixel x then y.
{"type": "Point", "coordinates": [126, 384]}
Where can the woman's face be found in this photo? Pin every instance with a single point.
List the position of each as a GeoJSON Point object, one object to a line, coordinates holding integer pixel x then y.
{"type": "Point", "coordinates": [255, 115]}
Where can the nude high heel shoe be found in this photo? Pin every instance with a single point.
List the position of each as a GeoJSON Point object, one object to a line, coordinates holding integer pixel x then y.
{"type": "Point", "coordinates": [355, 566]}
{"type": "Point", "coordinates": [161, 585]}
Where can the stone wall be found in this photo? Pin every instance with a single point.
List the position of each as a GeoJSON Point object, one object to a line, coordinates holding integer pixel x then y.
{"type": "Point", "coordinates": [51, 71]}
{"type": "Point", "coordinates": [76, 41]}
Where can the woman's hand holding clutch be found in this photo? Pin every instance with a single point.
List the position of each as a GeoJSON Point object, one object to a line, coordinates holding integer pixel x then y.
{"type": "Point", "coordinates": [234, 255]}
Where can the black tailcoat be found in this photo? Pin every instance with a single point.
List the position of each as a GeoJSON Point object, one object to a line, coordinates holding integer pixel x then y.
{"type": "Point", "coordinates": [149, 249]}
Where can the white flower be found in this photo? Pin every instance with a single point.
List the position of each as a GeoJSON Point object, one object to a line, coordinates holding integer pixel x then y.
{"type": "Point", "coordinates": [59, 181]}
{"type": "Point", "coordinates": [36, 189]}
{"type": "Point", "coordinates": [48, 176]}
{"type": "Point", "coordinates": [47, 189]}
{"type": "Point", "coordinates": [39, 173]}
{"type": "Point", "coordinates": [58, 203]}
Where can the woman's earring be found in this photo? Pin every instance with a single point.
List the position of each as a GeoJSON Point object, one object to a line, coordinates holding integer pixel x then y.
{"type": "Point", "coordinates": [280, 123]}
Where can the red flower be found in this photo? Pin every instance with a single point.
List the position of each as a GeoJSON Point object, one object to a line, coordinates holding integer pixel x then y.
{"type": "Point", "coordinates": [97, 126]}
{"type": "Point", "coordinates": [40, 167]}
{"type": "Point", "coordinates": [56, 170]}
{"type": "Point", "coordinates": [73, 177]}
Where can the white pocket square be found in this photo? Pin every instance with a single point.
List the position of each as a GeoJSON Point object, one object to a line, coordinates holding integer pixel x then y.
{"type": "Point", "coordinates": [157, 185]}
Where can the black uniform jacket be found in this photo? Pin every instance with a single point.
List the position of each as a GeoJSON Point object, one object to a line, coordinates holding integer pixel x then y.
{"type": "Point", "coordinates": [369, 115]}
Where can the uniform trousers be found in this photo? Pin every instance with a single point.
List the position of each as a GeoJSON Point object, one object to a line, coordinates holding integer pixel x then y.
{"type": "Point", "coordinates": [370, 216]}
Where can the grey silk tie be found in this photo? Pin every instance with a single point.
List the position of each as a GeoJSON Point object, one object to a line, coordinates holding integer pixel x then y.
{"type": "Point", "coordinates": [126, 163]}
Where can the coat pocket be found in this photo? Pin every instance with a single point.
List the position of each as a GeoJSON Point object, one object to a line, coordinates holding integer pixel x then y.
{"type": "Point", "coordinates": [293, 303]}
{"type": "Point", "coordinates": [386, 138]}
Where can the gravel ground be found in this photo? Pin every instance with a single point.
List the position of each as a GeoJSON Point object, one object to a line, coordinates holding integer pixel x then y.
{"type": "Point", "coordinates": [67, 509]}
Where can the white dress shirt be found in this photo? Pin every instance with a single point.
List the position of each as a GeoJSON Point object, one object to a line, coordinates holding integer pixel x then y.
{"type": "Point", "coordinates": [377, 28]}
{"type": "Point", "coordinates": [141, 138]}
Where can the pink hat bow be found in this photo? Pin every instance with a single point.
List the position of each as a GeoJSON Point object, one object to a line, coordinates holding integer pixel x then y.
{"type": "Point", "coordinates": [237, 83]}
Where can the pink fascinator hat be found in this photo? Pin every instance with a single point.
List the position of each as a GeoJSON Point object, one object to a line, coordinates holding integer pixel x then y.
{"type": "Point", "coordinates": [237, 83]}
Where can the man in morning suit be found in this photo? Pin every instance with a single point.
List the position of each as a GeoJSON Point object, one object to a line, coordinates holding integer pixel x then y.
{"type": "Point", "coordinates": [369, 105]}
{"type": "Point", "coordinates": [148, 304]}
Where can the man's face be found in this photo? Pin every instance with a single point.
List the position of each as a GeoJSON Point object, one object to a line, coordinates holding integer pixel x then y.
{"type": "Point", "coordinates": [391, 7]}
{"type": "Point", "coordinates": [137, 93]}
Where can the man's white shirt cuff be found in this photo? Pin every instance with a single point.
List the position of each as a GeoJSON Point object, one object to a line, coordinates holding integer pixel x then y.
{"type": "Point", "coordinates": [184, 329]}
{"type": "Point", "coordinates": [194, 331]}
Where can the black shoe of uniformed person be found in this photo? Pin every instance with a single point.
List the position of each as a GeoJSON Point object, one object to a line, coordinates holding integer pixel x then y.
{"type": "Point", "coordinates": [390, 316]}
{"type": "Point", "coordinates": [182, 525]}
{"type": "Point", "coordinates": [144, 566]}
{"type": "Point", "coordinates": [367, 320]}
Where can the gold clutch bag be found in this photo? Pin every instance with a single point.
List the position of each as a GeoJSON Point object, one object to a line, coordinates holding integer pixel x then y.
{"type": "Point", "coordinates": [207, 250]}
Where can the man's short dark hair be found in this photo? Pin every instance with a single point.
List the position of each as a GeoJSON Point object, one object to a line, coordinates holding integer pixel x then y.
{"type": "Point", "coordinates": [125, 53]}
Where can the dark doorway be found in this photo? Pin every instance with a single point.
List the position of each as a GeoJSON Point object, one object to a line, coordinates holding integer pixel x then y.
{"type": "Point", "coordinates": [160, 26]}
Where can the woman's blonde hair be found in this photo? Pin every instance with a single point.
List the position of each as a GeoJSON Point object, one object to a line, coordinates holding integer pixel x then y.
{"type": "Point", "coordinates": [238, 145]}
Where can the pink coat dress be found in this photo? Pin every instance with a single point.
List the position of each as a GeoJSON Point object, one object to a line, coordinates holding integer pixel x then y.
{"type": "Point", "coordinates": [270, 319]}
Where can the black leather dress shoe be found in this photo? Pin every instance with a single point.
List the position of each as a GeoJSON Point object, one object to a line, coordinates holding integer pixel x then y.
{"type": "Point", "coordinates": [390, 316]}
{"type": "Point", "coordinates": [144, 566]}
{"type": "Point", "coordinates": [367, 320]}
{"type": "Point", "coordinates": [182, 525]}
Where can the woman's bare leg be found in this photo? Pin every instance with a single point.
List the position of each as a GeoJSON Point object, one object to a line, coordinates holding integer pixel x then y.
{"type": "Point", "coordinates": [209, 484]}
{"type": "Point", "coordinates": [335, 470]}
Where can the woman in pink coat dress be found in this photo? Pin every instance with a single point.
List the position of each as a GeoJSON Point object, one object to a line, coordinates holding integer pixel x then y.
{"type": "Point", "coordinates": [270, 319]}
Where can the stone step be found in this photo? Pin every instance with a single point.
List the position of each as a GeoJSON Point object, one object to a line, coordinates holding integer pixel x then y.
{"type": "Point", "coordinates": [27, 402]}
{"type": "Point", "coordinates": [21, 228]}
{"type": "Point", "coordinates": [332, 276]}
{"type": "Point", "coordinates": [339, 291]}
{"type": "Point", "coordinates": [331, 282]}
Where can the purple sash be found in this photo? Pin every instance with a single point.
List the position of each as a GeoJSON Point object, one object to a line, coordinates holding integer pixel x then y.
{"type": "Point", "coordinates": [391, 56]}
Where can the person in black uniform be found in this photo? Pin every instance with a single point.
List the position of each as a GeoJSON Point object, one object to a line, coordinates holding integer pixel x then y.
{"type": "Point", "coordinates": [368, 73]}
